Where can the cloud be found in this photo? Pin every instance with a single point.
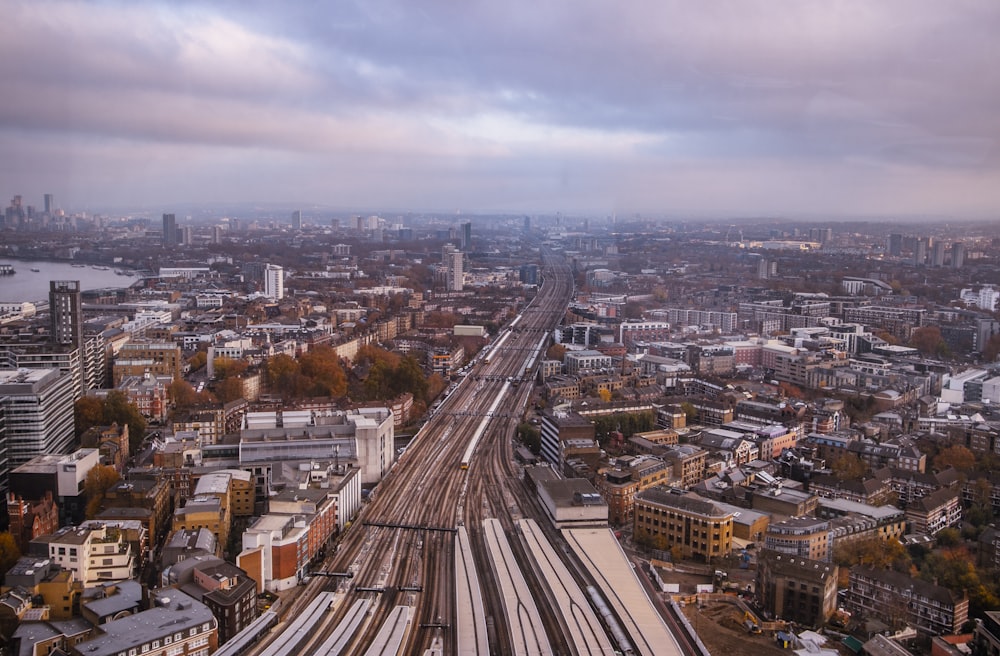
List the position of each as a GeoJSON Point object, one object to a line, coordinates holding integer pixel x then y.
{"type": "Point", "coordinates": [571, 104]}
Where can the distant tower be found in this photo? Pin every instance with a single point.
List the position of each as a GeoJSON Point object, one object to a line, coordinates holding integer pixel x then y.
{"type": "Point", "coordinates": [169, 229]}
{"type": "Point", "coordinates": [937, 253]}
{"type": "Point", "coordinates": [216, 234]}
{"type": "Point", "coordinates": [895, 244]}
{"type": "Point", "coordinates": [467, 236]}
{"type": "Point", "coordinates": [296, 220]}
{"type": "Point", "coordinates": [65, 312]}
{"type": "Point", "coordinates": [50, 205]}
{"type": "Point", "coordinates": [274, 282]}
{"type": "Point", "coordinates": [766, 269]}
{"type": "Point", "coordinates": [920, 252]}
{"type": "Point", "coordinates": [957, 255]}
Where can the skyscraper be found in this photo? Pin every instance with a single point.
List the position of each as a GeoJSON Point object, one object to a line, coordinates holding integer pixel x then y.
{"type": "Point", "coordinates": [920, 252]}
{"type": "Point", "coordinates": [957, 255]}
{"type": "Point", "coordinates": [50, 205]}
{"type": "Point", "coordinates": [467, 235]}
{"type": "Point", "coordinates": [274, 282]}
{"type": "Point", "coordinates": [296, 220]}
{"type": "Point", "coordinates": [937, 253]}
{"type": "Point", "coordinates": [65, 312]}
{"type": "Point", "coordinates": [169, 229]}
{"type": "Point", "coordinates": [455, 280]}
{"type": "Point", "coordinates": [895, 244]}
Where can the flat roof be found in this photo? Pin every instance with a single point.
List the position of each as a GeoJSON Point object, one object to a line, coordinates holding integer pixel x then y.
{"type": "Point", "coordinates": [604, 559]}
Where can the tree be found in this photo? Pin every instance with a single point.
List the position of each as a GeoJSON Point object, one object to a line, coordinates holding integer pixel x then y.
{"type": "Point", "coordinates": [848, 467]}
{"type": "Point", "coordinates": [530, 436]}
{"type": "Point", "coordinates": [9, 553]}
{"type": "Point", "coordinates": [956, 456]}
{"type": "Point", "coordinates": [182, 395]}
{"type": "Point", "coordinates": [228, 368]}
{"type": "Point", "coordinates": [284, 375]}
{"type": "Point", "coordinates": [928, 340]}
{"type": "Point", "coordinates": [198, 360]}
{"type": "Point", "coordinates": [555, 352]}
{"type": "Point", "coordinates": [229, 390]}
{"type": "Point", "coordinates": [991, 349]}
{"type": "Point", "coordinates": [119, 410]}
{"type": "Point", "coordinates": [99, 480]}
{"type": "Point", "coordinates": [88, 411]}
{"type": "Point", "coordinates": [321, 366]}
{"type": "Point", "coordinates": [115, 408]}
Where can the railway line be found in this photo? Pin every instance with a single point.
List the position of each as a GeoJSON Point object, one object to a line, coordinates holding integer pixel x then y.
{"type": "Point", "coordinates": [425, 532]}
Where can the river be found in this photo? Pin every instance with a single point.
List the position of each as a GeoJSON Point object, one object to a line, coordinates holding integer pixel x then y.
{"type": "Point", "coordinates": [29, 285]}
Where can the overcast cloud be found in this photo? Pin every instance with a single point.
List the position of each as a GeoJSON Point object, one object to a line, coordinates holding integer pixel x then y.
{"type": "Point", "coordinates": [742, 107]}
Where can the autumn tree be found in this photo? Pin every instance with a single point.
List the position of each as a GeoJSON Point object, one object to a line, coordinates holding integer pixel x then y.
{"type": "Point", "coordinates": [9, 552]}
{"type": "Point", "coordinates": [115, 408]}
{"type": "Point", "coordinates": [848, 467]}
{"type": "Point", "coordinates": [325, 377]}
{"type": "Point", "coordinates": [88, 411]}
{"type": "Point", "coordinates": [228, 368]}
{"type": "Point", "coordinates": [284, 375]}
{"type": "Point", "coordinates": [198, 360]}
{"type": "Point", "coordinates": [555, 352]}
{"type": "Point", "coordinates": [956, 456]}
{"type": "Point", "coordinates": [99, 480]}
{"type": "Point", "coordinates": [229, 390]}
{"type": "Point", "coordinates": [928, 341]}
{"type": "Point", "coordinates": [991, 349]}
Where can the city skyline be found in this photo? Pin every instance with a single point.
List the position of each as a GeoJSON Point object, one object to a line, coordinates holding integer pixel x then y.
{"type": "Point", "coordinates": [727, 109]}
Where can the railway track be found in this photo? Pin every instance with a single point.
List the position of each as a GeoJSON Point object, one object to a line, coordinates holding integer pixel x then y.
{"type": "Point", "coordinates": [414, 566]}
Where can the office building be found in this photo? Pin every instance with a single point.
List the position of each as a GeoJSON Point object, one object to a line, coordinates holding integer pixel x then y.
{"type": "Point", "coordinates": [296, 220]}
{"type": "Point", "coordinates": [274, 282]}
{"type": "Point", "coordinates": [805, 537]}
{"type": "Point", "coordinates": [50, 204]}
{"type": "Point", "coordinates": [65, 312]}
{"type": "Point", "coordinates": [169, 229]}
{"type": "Point", "coordinates": [795, 588]}
{"type": "Point", "coordinates": [694, 526]}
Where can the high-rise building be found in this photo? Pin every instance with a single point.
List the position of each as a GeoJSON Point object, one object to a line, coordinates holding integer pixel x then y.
{"type": "Point", "coordinates": [937, 253]}
{"type": "Point", "coordinates": [527, 223]}
{"type": "Point", "coordinates": [455, 280]}
{"type": "Point", "coordinates": [895, 244]}
{"type": "Point", "coordinates": [957, 255]}
{"type": "Point", "coordinates": [467, 235]}
{"type": "Point", "coordinates": [50, 205]}
{"type": "Point", "coordinates": [65, 312]}
{"type": "Point", "coordinates": [38, 413]}
{"type": "Point", "coordinates": [274, 282]}
{"type": "Point", "coordinates": [920, 252]}
{"type": "Point", "coordinates": [296, 220]}
{"type": "Point", "coordinates": [186, 234]}
{"type": "Point", "coordinates": [169, 229]}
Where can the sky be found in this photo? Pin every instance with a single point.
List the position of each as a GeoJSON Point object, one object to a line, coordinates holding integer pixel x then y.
{"type": "Point", "coordinates": [711, 108]}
